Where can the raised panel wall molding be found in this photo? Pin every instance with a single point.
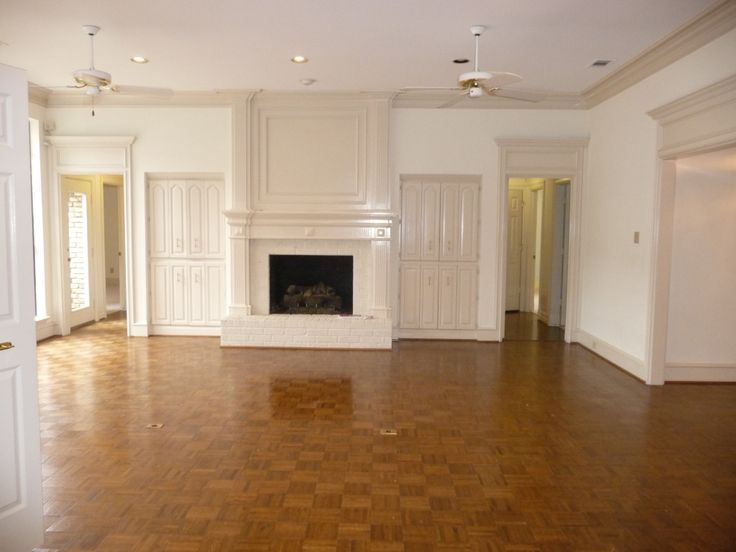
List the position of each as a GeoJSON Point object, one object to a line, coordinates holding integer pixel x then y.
{"type": "Point", "coordinates": [319, 152]}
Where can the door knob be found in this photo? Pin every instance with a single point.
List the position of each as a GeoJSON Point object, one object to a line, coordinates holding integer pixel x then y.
{"type": "Point", "coordinates": [5, 345]}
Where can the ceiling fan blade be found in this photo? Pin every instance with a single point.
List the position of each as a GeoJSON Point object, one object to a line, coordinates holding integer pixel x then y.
{"type": "Point", "coordinates": [499, 80]}
{"type": "Point", "coordinates": [523, 94]}
{"type": "Point", "coordinates": [454, 100]}
{"type": "Point", "coordinates": [140, 90]}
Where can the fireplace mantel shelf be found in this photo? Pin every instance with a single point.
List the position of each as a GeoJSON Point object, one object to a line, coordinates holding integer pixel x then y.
{"type": "Point", "coordinates": [374, 219]}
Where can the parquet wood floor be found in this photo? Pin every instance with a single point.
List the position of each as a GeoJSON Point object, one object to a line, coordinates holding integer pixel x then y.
{"type": "Point", "coordinates": [514, 447]}
{"type": "Point", "coordinates": [527, 326]}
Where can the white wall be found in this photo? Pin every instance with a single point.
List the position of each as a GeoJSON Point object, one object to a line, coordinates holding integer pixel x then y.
{"type": "Point", "coordinates": [618, 199]}
{"type": "Point", "coordinates": [168, 139]}
{"type": "Point", "coordinates": [462, 141]}
{"type": "Point", "coordinates": [702, 311]}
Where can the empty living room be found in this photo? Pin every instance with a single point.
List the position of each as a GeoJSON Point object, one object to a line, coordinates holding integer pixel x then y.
{"type": "Point", "coordinates": [382, 276]}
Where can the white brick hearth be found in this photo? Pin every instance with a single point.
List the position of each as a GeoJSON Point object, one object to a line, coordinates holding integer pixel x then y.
{"type": "Point", "coordinates": [305, 330]}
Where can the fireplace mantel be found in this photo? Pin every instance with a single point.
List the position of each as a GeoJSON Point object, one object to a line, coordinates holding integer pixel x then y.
{"type": "Point", "coordinates": [351, 225]}
{"type": "Point", "coordinates": [366, 234]}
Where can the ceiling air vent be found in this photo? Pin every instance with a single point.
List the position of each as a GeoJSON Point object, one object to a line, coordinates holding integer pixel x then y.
{"type": "Point", "coordinates": [601, 62]}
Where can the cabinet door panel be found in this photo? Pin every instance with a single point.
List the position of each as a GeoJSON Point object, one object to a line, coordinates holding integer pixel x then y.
{"type": "Point", "coordinates": [449, 222]}
{"type": "Point", "coordinates": [178, 295]}
{"type": "Point", "coordinates": [196, 294]}
{"type": "Point", "coordinates": [411, 221]}
{"type": "Point", "coordinates": [430, 220]}
{"type": "Point", "coordinates": [159, 219]}
{"type": "Point", "coordinates": [467, 293]}
{"type": "Point", "coordinates": [428, 297]}
{"type": "Point", "coordinates": [195, 210]}
{"type": "Point", "coordinates": [467, 214]}
{"type": "Point", "coordinates": [178, 201]}
{"type": "Point", "coordinates": [161, 289]}
{"type": "Point", "coordinates": [215, 294]}
{"type": "Point", "coordinates": [410, 295]}
{"type": "Point", "coordinates": [214, 220]}
{"type": "Point", "coordinates": [447, 297]}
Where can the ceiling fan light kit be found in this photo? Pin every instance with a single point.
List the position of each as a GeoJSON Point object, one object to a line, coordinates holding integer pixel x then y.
{"type": "Point", "coordinates": [95, 82]}
{"type": "Point", "coordinates": [477, 83]}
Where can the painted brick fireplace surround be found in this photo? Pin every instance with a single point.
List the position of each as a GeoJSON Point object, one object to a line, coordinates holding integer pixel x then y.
{"type": "Point", "coordinates": [316, 183]}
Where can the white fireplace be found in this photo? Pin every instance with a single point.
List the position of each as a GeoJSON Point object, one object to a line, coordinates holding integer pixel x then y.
{"type": "Point", "coordinates": [254, 237]}
{"type": "Point", "coordinates": [310, 177]}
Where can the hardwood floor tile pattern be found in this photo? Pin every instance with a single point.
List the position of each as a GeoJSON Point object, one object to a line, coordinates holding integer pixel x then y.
{"type": "Point", "coordinates": [527, 326]}
{"type": "Point", "coordinates": [514, 447]}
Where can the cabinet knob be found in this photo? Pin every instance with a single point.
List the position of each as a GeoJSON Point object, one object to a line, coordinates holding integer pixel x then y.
{"type": "Point", "coordinates": [5, 345]}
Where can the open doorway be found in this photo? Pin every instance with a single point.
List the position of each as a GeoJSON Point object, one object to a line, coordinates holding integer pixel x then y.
{"type": "Point", "coordinates": [113, 216]}
{"type": "Point", "coordinates": [93, 247]}
{"type": "Point", "coordinates": [537, 247]}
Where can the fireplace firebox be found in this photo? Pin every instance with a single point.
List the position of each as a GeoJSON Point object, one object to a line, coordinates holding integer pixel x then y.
{"type": "Point", "coordinates": [310, 284]}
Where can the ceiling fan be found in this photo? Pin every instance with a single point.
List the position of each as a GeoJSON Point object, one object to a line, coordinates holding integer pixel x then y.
{"type": "Point", "coordinates": [94, 81]}
{"type": "Point", "coordinates": [477, 83]}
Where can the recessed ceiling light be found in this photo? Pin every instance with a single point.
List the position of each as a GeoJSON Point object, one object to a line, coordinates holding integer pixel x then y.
{"type": "Point", "coordinates": [460, 60]}
{"type": "Point", "coordinates": [139, 59]}
{"type": "Point", "coordinates": [299, 59]}
{"type": "Point", "coordinates": [601, 62]}
{"type": "Point", "coordinates": [308, 82]}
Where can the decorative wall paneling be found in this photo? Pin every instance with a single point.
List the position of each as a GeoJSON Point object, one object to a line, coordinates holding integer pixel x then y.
{"type": "Point", "coordinates": [187, 255]}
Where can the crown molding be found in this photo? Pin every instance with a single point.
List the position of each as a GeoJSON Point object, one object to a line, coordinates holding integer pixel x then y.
{"type": "Point", "coordinates": [38, 94]}
{"type": "Point", "coordinates": [709, 25]}
{"type": "Point", "coordinates": [216, 98]}
{"type": "Point", "coordinates": [434, 99]}
{"type": "Point", "coordinates": [327, 95]}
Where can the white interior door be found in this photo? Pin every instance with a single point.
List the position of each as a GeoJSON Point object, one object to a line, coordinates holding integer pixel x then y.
{"type": "Point", "coordinates": [513, 250]}
{"type": "Point", "coordinates": [20, 451]}
{"type": "Point", "coordinates": [76, 217]}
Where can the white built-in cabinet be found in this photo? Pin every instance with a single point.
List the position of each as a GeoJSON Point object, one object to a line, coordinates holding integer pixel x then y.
{"type": "Point", "coordinates": [187, 253]}
{"type": "Point", "coordinates": [439, 255]}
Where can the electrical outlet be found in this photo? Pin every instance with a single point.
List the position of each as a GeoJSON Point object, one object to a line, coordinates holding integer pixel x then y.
{"type": "Point", "coordinates": [636, 237]}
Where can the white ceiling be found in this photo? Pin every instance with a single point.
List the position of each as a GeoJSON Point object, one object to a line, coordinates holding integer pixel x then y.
{"type": "Point", "coordinates": [351, 44]}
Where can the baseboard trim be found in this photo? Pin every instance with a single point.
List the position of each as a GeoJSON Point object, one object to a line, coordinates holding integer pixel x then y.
{"type": "Point", "coordinates": [192, 331]}
{"type": "Point", "coordinates": [139, 330]}
{"type": "Point", "coordinates": [699, 372]}
{"type": "Point", "coordinates": [45, 329]}
{"type": "Point", "coordinates": [404, 333]}
{"type": "Point", "coordinates": [611, 353]}
{"type": "Point", "coordinates": [488, 334]}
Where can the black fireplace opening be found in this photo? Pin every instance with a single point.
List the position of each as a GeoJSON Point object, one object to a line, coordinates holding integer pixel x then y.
{"type": "Point", "coordinates": [310, 284]}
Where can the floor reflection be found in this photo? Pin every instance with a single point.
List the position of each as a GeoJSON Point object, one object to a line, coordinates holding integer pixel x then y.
{"type": "Point", "coordinates": [304, 398]}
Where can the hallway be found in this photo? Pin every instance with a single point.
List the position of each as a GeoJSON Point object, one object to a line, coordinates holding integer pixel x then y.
{"type": "Point", "coordinates": [520, 446]}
